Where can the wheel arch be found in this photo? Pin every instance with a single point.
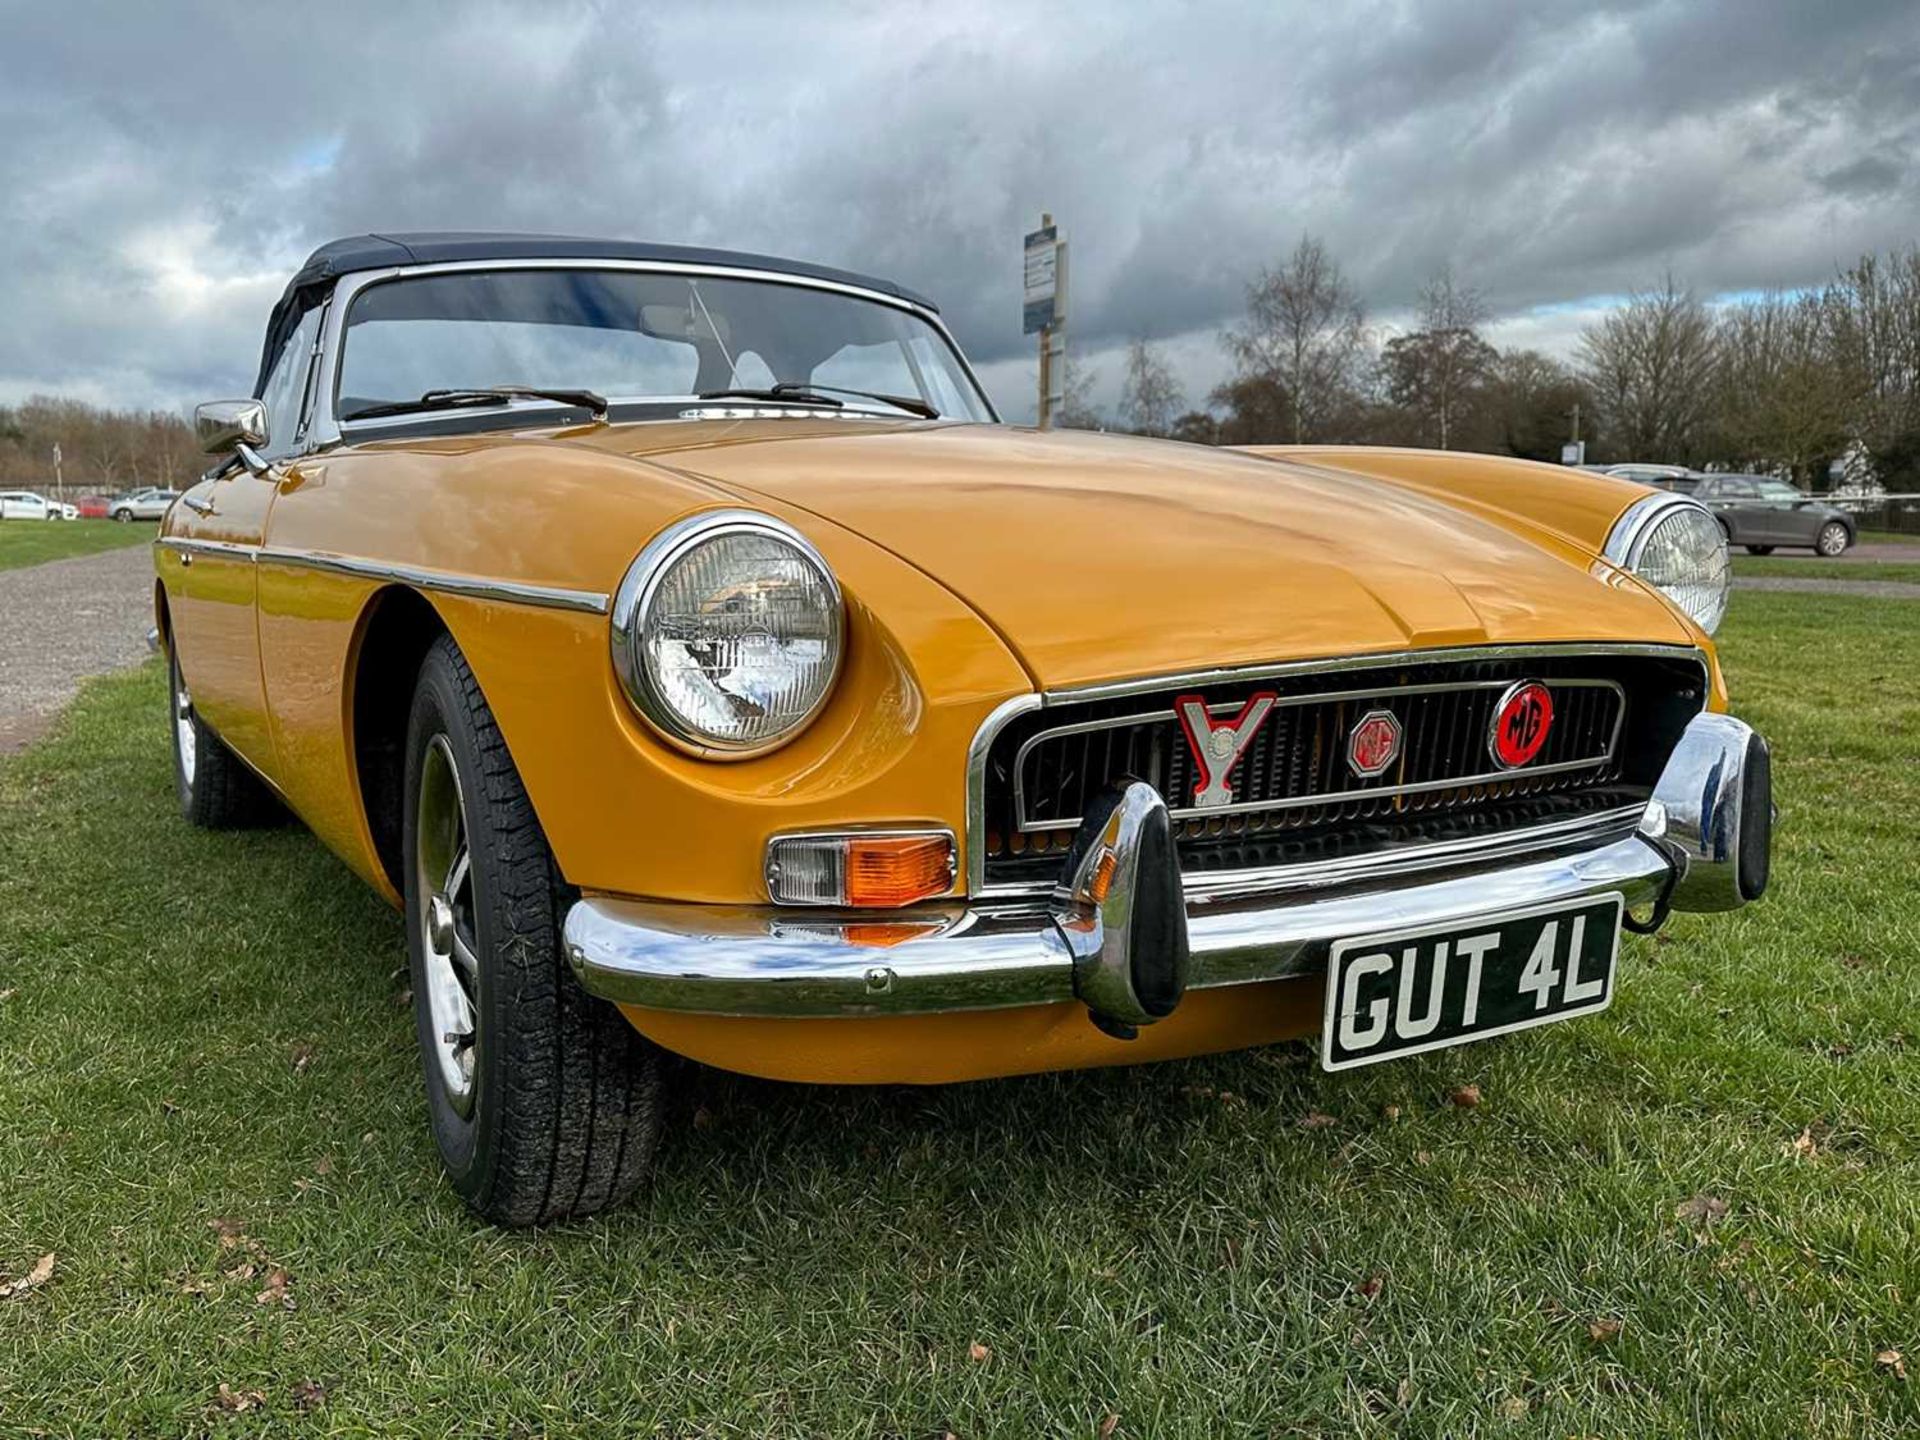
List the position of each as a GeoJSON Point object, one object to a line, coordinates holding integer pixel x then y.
{"type": "Point", "coordinates": [398, 625]}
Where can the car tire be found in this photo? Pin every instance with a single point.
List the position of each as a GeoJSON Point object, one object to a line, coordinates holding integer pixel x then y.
{"type": "Point", "coordinates": [123, 516]}
{"type": "Point", "coordinates": [1759, 549]}
{"type": "Point", "coordinates": [215, 788]}
{"type": "Point", "coordinates": [544, 1102]}
{"type": "Point", "coordinates": [1833, 540]}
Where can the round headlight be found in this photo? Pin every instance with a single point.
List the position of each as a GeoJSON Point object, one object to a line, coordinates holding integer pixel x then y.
{"type": "Point", "coordinates": [1676, 546]}
{"type": "Point", "coordinates": [727, 633]}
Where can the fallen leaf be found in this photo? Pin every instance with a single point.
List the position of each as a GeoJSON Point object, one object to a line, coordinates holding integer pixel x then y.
{"type": "Point", "coordinates": [1514, 1407]}
{"type": "Point", "coordinates": [403, 999]}
{"type": "Point", "coordinates": [1701, 1209]}
{"type": "Point", "coordinates": [191, 1285]}
{"type": "Point", "coordinates": [978, 1352]}
{"type": "Point", "coordinates": [1233, 1250]}
{"type": "Point", "coordinates": [309, 1395]}
{"type": "Point", "coordinates": [1108, 1426]}
{"type": "Point", "coordinates": [702, 1118]}
{"type": "Point", "coordinates": [1389, 1112]}
{"type": "Point", "coordinates": [302, 1056]}
{"type": "Point", "coordinates": [1315, 1120]}
{"type": "Point", "coordinates": [246, 1270]}
{"type": "Point", "coordinates": [1802, 1147]}
{"type": "Point", "coordinates": [236, 1402]}
{"type": "Point", "coordinates": [7, 994]}
{"type": "Point", "coordinates": [1369, 1287]}
{"type": "Point", "coordinates": [1403, 1393]}
{"type": "Point", "coordinates": [1466, 1097]}
{"type": "Point", "coordinates": [41, 1272]}
{"type": "Point", "coordinates": [1893, 1362]}
{"type": "Point", "coordinates": [231, 1232]}
{"type": "Point", "coordinates": [276, 1292]}
{"type": "Point", "coordinates": [1602, 1330]}
{"type": "Point", "coordinates": [323, 1166]}
{"type": "Point", "coordinates": [1423, 1157]}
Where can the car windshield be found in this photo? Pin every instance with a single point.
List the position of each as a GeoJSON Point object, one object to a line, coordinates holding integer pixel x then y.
{"type": "Point", "coordinates": [634, 336]}
{"type": "Point", "coordinates": [1776, 490]}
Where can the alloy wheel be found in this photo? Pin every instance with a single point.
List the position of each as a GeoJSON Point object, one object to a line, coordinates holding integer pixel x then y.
{"type": "Point", "coordinates": [443, 880]}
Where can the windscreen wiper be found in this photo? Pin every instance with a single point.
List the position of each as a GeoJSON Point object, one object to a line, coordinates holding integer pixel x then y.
{"type": "Point", "coordinates": [454, 399]}
{"type": "Point", "coordinates": [785, 390]}
{"type": "Point", "coordinates": [899, 402]}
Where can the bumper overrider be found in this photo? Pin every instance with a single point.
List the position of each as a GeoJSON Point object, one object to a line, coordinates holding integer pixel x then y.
{"type": "Point", "coordinates": [1122, 935]}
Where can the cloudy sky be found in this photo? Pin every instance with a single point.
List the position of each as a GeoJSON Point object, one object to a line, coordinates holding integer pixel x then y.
{"type": "Point", "coordinates": [166, 166]}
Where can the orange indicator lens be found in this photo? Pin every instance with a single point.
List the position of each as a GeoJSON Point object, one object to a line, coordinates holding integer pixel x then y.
{"type": "Point", "coordinates": [898, 869]}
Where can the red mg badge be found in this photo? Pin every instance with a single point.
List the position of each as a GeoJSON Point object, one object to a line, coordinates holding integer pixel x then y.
{"type": "Point", "coordinates": [1520, 724]}
{"type": "Point", "coordinates": [1374, 742]}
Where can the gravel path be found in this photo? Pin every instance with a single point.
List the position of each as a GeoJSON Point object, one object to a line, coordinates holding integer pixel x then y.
{"type": "Point", "coordinates": [1876, 589]}
{"type": "Point", "coordinates": [63, 621]}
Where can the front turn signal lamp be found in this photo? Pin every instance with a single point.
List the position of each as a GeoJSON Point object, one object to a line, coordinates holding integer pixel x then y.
{"type": "Point", "coordinates": [866, 869]}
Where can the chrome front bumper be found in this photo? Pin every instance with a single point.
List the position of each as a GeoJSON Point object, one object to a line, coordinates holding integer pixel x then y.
{"type": "Point", "coordinates": [1702, 844]}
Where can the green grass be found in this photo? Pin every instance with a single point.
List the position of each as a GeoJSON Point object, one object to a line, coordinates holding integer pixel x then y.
{"type": "Point", "coordinates": [28, 542]}
{"type": "Point", "coordinates": [206, 1028]}
{"type": "Point", "coordinates": [1812, 567]}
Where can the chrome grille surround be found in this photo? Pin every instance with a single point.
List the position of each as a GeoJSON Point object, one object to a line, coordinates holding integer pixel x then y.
{"type": "Point", "coordinates": [1474, 849]}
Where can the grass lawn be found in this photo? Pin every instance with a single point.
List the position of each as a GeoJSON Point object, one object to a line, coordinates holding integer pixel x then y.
{"type": "Point", "coordinates": [28, 542]}
{"type": "Point", "coordinates": [1812, 567]}
{"type": "Point", "coordinates": [1696, 1214]}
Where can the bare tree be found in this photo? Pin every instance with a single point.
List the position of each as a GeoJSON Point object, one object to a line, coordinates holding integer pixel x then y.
{"type": "Point", "coordinates": [1151, 397]}
{"type": "Point", "coordinates": [1650, 364]}
{"type": "Point", "coordinates": [1874, 337]}
{"type": "Point", "coordinates": [1305, 332]}
{"type": "Point", "coordinates": [1782, 399]}
{"type": "Point", "coordinates": [1076, 410]}
{"type": "Point", "coordinates": [1437, 371]}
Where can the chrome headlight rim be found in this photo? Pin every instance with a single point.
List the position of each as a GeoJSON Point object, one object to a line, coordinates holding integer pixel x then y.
{"type": "Point", "coordinates": [634, 599]}
{"type": "Point", "coordinates": [1628, 540]}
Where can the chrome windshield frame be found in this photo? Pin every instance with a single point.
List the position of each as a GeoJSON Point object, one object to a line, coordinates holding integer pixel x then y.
{"type": "Point", "coordinates": [324, 428]}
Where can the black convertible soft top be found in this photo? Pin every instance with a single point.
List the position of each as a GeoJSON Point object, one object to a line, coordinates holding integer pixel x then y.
{"type": "Point", "coordinates": [380, 252]}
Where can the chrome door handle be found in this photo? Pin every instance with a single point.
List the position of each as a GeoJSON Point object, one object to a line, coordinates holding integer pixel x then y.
{"type": "Point", "coordinates": [199, 507]}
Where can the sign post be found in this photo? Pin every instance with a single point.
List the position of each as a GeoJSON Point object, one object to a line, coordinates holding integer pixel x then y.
{"type": "Point", "coordinates": [1043, 307]}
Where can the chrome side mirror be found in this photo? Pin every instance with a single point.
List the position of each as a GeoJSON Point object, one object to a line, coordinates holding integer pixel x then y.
{"type": "Point", "coordinates": [227, 426]}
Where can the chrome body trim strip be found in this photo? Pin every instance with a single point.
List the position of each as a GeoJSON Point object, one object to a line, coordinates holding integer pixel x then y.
{"type": "Point", "coordinates": [977, 750]}
{"type": "Point", "coordinates": [1234, 674]}
{"type": "Point", "coordinates": [446, 582]}
{"type": "Point", "coordinates": [1385, 792]}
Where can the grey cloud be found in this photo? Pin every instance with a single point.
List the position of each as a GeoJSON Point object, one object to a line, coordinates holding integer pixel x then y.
{"type": "Point", "coordinates": [167, 166]}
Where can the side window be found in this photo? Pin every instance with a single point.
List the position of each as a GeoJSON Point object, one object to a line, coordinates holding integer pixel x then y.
{"type": "Point", "coordinates": [286, 386]}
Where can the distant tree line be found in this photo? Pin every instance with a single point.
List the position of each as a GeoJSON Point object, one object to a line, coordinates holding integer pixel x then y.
{"type": "Point", "coordinates": [105, 450]}
{"type": "Point", "coordinates": [1787, 382]}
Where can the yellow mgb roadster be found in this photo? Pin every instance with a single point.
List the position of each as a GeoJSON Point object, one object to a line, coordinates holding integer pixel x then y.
{"type": "Point", "coordinates": [680, 640]}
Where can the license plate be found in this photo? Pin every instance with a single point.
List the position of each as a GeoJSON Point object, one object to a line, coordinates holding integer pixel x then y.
{"type": "Point", "coordinates": [1403, 991]}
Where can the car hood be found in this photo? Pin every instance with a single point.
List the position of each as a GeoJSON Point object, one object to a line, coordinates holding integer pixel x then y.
{"type": "Point", "coordinates": [1100, 557]}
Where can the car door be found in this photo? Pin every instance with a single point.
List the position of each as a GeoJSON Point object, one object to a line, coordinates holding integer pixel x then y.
{"type": "Point", "coordinates": [1733, 500]}
{"type": "Point", "coordinates": [1788, 520]}
{"type": "Point", "coordinates": [214, 587]}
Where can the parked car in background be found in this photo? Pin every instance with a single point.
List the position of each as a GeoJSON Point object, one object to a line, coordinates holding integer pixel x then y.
{"type": "Point", "coordinates": [1762, 513]}
{"type": "Point", "coordinates": [148, 504]}
{"type": "Point", "coordinates": [94, 507]}
{"type": "Point", "coordinates": [1677, 478]}
{"type": "Point", "coordinates": [29, 505]}
{"type": "Point", "coordinates": [679, 641]}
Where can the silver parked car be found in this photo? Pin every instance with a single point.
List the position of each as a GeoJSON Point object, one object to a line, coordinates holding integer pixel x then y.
{"type": "Point", "coordinates": [1761, 513]}
{"type": "Point", "coordinates": [148, 504]}
{"type": "Point", "coordinates": [1677, 478]}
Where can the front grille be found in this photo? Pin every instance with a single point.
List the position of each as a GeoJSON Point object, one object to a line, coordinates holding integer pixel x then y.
{"type": "Point", "coordinates": [1295, 797]}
